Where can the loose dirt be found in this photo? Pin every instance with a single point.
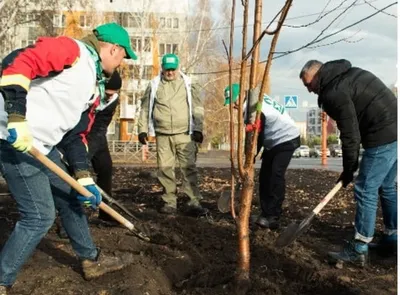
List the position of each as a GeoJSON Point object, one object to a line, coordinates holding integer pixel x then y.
{"type": "Point", "coordinates": [196, 256]}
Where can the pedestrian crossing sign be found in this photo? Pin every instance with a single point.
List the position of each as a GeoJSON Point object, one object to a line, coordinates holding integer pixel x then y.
{"type": "Point", "coordinates": [291, 101]}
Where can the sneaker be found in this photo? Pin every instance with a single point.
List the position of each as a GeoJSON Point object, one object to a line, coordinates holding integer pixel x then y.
{"type": "Point", "coordinates": [4, 290]}
{"type": "Point", "coordinates": [104, 264]}
{"type": "Point", "coordinates": [355, 252]}
{"type": "Point", "coordinates": [271, 222]}
{"type": "Point", "coordinates": [386, 246]}
{"type": "Point", "coordinates": [167, 209]}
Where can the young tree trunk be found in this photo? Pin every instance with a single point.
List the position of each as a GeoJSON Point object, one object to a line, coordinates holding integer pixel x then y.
{"type": "Point", "coordinates": [243, 282]}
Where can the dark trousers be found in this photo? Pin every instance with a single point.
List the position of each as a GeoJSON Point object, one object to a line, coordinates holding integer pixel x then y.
{"type": "Point", "coordinates": [272, 176]}
{"type": "Point", "coordinates": [103, 168]}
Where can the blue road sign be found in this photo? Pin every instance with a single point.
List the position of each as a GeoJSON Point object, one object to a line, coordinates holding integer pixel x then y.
{"type": "Point", "coordinates": [291, 102]}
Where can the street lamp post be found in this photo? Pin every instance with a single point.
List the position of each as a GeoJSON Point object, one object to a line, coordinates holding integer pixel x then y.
{"type": "Point", "coordinates": [324, 133]}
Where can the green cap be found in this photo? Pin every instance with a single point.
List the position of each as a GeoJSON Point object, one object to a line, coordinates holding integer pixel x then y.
{"type": "Point", "coordinates": [115, 34]}
{"type": "Point", "coordinates": [235, 90]}
{"type": "Point", "coordinates": [170, 62]}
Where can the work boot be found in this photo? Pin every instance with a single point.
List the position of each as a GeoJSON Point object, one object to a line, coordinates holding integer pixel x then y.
{"type": "Point", "coordinates": [104, 264]}
{"type": "Point", "coordinates": [168, 209]}
{"type": "Point", "coordinates": [355, 252]}
{"type": "Point", "coordinates": [4, 290]}
{"type": "Point", "coordinates": [271, 222]}
{"type": "Point", "coordinates": [194, 208]}
{"type": "Point", "coordinates": [386, 246]}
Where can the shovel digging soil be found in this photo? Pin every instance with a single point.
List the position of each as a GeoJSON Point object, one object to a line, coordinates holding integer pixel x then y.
{"type": "Point", "coordinates": [82, 190]}
{"type": "Point", "coordinates": [294, 230]}
{"type": "Point", "coordinates": [224, 201]}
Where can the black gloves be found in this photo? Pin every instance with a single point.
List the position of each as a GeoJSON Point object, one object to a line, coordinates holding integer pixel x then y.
{"type": "Point", "coordinates": [346, 178]}
{"type": "Point", "coordinates": [197, 136]}
{"type": "Point", "coordinates": [347, 175]}
{"type": "Point", "coordinates": [143, 138]}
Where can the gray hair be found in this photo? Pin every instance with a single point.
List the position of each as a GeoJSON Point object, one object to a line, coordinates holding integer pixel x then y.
{"type": "Point", "coordinates": [311, 64]}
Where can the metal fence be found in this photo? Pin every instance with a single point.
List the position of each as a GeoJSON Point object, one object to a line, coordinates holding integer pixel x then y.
{"type": "Point", "coordinates": [132, 152]}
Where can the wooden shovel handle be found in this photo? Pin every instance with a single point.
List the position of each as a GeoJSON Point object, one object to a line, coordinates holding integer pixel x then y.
{"type": "Point", "coordinates": [78, 187]}
{"type": "Point", "coordinates": [328, 197]}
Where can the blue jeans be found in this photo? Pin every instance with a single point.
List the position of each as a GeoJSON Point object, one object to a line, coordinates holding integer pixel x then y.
{"type": "Point", "coordinates": [378, 170]}
{"type": "Point", "coordinates": [38, 193]}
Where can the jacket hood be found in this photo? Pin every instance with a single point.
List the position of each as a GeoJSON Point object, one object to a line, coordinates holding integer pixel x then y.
{"type": "Point", "coordinates": [92, 41]}
{"type": "Point", "coordinates": [329, 71]}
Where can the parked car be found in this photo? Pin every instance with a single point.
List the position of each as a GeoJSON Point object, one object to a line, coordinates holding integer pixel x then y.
{"type": "Point", "coordinates": [335, 150]}
{"type": "Point", "coordinates": [304, 151]}
{"type": "Point", "coordinates": [317, 152]}
{"type": "Point", "coordinates": [297, 153]}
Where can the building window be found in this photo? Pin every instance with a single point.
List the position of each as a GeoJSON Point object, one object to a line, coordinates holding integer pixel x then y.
{"type": "Point", "coordinates": [162, 22]}
{"type": "Point", "coordinates": [169, 23]}
{"type": "Point", "coordinates": [176, 23]}
{"type": "Point", "coordinates": [109, 18]}
{"type": "Point", "coordinates": [167, 48]}
{"type": "Point", "coordinates": [25, 43]}
{"type": "Point", "coordinates": [134, 21]}
{"type": "Point", "coordinates": [147, 72]}
{"type": "Point", "coordinates": [137, 44]}
{"type": "Point", "coordinates": [85, 21]}
{"type": "Point", "coordinates": [161, 49]}
{"type": "Point", "coordinates": [32, 19]}
{"type": "Point", "coordinates": [130, 98]}
{"type": "Point", "coordinates": [59, 20]}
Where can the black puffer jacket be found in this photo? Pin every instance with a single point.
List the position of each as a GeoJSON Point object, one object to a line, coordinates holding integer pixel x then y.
{"type": "Point", "coordinates": [364, 109]}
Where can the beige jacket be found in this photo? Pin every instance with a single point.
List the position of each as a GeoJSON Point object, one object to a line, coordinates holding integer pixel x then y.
{"type": "Point", "coordinates": [171, 113]}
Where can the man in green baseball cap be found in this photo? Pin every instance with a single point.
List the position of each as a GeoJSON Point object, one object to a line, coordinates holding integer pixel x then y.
{"type": "Point", "coordinates": [235, 93]}
{"type": "Point", "coordinates": [115, 34]}
{"type": "Point", "coordinates": [170, 66]}
{"type": "Point", "coordinates": [172, 111]}
{"type": "Point", "coordinates": [112, 44]}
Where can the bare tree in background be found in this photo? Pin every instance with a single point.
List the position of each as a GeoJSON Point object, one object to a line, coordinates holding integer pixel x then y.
{"type": "Point", "coordinates": [246, 166]}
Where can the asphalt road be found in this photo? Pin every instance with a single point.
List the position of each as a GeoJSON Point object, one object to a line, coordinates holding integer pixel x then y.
{"type": "Point", "coordinates": [333, 164]}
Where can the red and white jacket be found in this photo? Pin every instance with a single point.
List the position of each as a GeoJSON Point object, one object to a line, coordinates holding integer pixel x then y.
{"type": "Point", "coordinates": [50, 83]}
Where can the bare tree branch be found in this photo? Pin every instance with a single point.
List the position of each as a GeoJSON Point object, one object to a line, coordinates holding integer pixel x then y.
{"type": "Point", "coordinates": [370, 5]}
{"type": "Point", "coordinates": [337, 41]}
{"type": "Point", "coordinates": [321, 16]}
{"type": "Point", "coordinates": [265, 32]}
{"type": "Point", "coordinates": [316, 40]}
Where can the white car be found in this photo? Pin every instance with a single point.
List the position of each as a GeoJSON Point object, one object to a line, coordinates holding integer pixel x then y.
{"type": "Point", "coordinates": [304, 151]}
{"type": "Point", "coordinates": [317, 152]}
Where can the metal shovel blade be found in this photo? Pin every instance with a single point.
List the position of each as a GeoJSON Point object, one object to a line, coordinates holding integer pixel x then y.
{"type": "Point", "coordinates": [224, 202]}
{"type": "Point", "coordinates": [293, 231]}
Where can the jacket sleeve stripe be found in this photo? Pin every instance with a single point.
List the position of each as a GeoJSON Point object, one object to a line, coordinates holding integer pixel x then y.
{"type": "Point", "coordinates": [16, 79]}
{"type": "Point", "coordinates": [47, 56]}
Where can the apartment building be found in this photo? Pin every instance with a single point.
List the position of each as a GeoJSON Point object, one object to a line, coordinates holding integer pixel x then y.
{"type": "Point", "coordinates": [314, 126]}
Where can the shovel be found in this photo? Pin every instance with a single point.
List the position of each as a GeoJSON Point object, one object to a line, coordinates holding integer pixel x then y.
{"type": "Point", "coordinates": [294, 230]}
{"type": "Point", "coordinates": [105, 195]}
{"type": "Point", "coordinates": [224, 201]}
{"type": "Point", "coordinates": [82, 190]}
{"type": "Point", "coordinates": [118, 204]}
